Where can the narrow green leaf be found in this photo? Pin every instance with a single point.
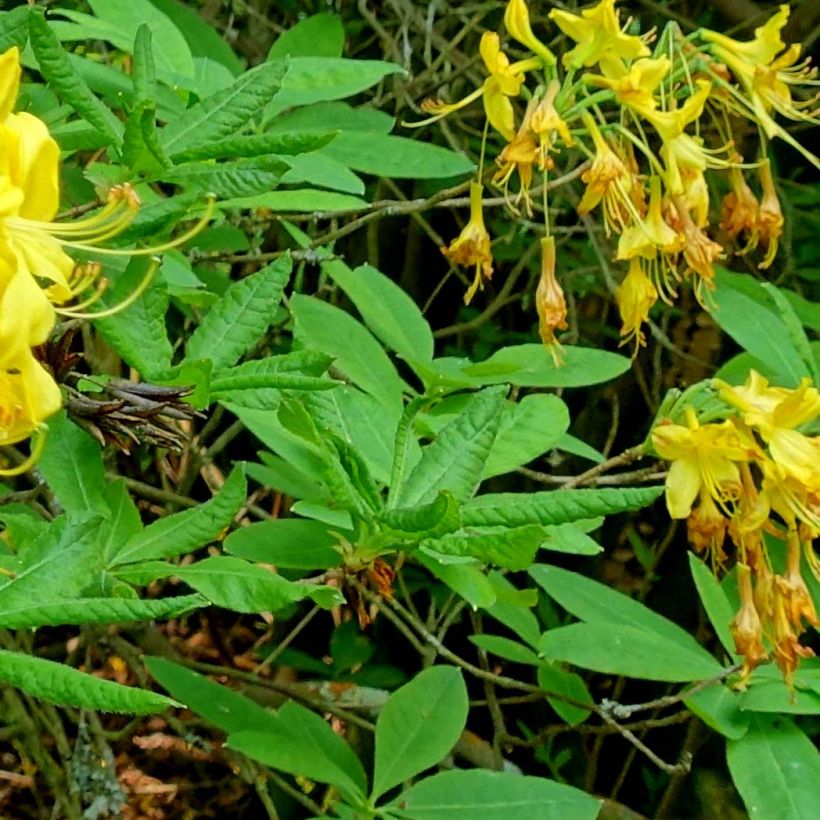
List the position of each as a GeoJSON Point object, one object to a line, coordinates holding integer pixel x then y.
{"type": "Point", "coordinates": [719, 708]}
{"type": "Point", "coordinates": [242, 177]}
{"type": "Point", "coordinates": [302, 743]}
{"type": "Point", "coordinates": [509, 547]}
{"type": "Point", "coordinates": [243, 587]}
{"type": "Point", "coordinates": [185, 531]}
{"type": "Point", "coordinates": [776, 769]}
{"type": "Point", "coordinates": [65, 686]}
{"type": "Point", "coordinates": [554, 506]}
{"type": "Point", "coordinates": [143, 71]}
{"type": "Point", "coordinates": [418, 726]}
{"type": "Point", "coordinates": [455, 460]}
{"type": "Point", "coordinates": [617, 649]}
{"type": "Point", "coordinates": [224, 113]}
{"type": "Point", "coordinates": [436, 518]}
{"type": "Point", "coordinates": [59, 72]}
{"type": "Point", "coordinates": [14, 28]}
{"type": "Point", "coordinates": [289, 543]}
{"type": "Point", "coordinates": [95, 610]}
{"type": "Point", "coordinates": [507, 649]}
{"type": "Point", "coordinates": [470, 582]}
{"type": "Point", "coordinates": [72, 465]}
{"type": "Point", "coordinates": [513, 608]}
{"type": "Point", "coordinates": [714, 601]}
{"type": "Point", "coordinates": [254, 145]}
{"type": "Point", "coordinates": [794, 327]}
{"type": "Point", "coordinates": [386, 309]}
{"type": "Point", "coordinates": [220, 705]}
{"type": "Point", "coordinates": [241, 316]}
{"type": "Point", "coordinates": [553, 678]}
{"type": "Point", "coordinates": [466, 794]}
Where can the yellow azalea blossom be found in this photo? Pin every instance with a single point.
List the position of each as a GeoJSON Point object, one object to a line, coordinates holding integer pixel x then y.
{"type": "Point", "coordinates": [637, 86]}
{"type": "Point", "coordinates": [547, 122]}
{"type": "Point", "coordinates": [786, 495]}
{"type": "Point", "coordinates": [472, 245]}
{"type": "Point", "coordinates": [769, 225]}
{"type": "Point", "coordinates": [28, 396]}
{"type": "Point", "coordinates": [505, 81]}
{"type": "Point", "coordinates": [746, 627]}
{"type": "Point", "coordinates": [775, 412]}
{"type": "Point", "coordinates": [607, 179]}
{"type": "Point", "coordinates": [635, 296]}
{"type": "Point", "coordinates": [599, 38]}
{"type": "Point", "coordinates": [704, 457]}
{"type": "Point", "coordinates": [550, 303]}
{"type": "Point", "coordinates": [519, 156]}
{"type": "Point", "coordinates": [699, 251]}
{"type": "Point", "coordinates": [654, 241]}
{"type": "Point", "coordinates": [740, 210]}
{"type": "Point", "coordinates": [517, 23]}
{"type": "Point", "coordinates": [766, 77]}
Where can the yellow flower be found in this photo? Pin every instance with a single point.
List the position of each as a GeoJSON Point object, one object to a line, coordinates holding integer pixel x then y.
{"type": "Point", "coordinates": [699, 251]}
{"type": "Point", "coordinates": [635, 296]}
{"type": "Point", "coordinates": [517, 23]}
{"type": "Point", "coordinates": [607, 179]}
{"type": "Point", "coordinates": [740, 210]}
{"type": "Point", "coordinates": [519, 155]}
{"type": "Point", "coordinates": [599, 38]}
{"type": "Point", "coordinates": [703, 458]}
{"type": "Point", "coordinates": [766, 77]}
{"type": "Point", "coordinates": [547, 122]}
{"type": "Point", "coordinates": [636, 87]}
{"type": "Point", "coordinates": [550, 303]}
{"type": "Point", "coordinates": [769, 224]}
{"type": "Point", "coordinates": [28, 396]}
{"type": "Point", "coordinates": [746, 627]}
{"type": "Point", "coordinates": [774, 412]}
{"type": "Point", "coordinates": [472, 245]}
{"type": "Point", "coordinates": [505, 81]}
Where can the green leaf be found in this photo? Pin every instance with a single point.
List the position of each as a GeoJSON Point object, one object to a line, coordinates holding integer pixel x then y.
{"type": "Point", "coordinates": [469, 794]}
{"type": "Point", "coordinates": [418, 726]}
{"type": "Point", "coordinates": [768, 692]}
{"type": "Point", "coordinates": [469, 582]}
{"type": "Point", "coordinates": [320, 35]}
{"type": "Point", "coordinates": [225, 113]}
{"type": "Point", "coordinates": [617, 649]}
{"type": "Point", "coordinates": [513, 609]}
{"type": "Point", "coordinates": [65, 686]}
{"type": "Point", "coordinates": [570, 538]}
{"type": "Point", "coordinates": [14, 28]}
{"type": "Point", "coordinates": [714, 601]}
{"type": "Point", "coordinates": [509, 547]}
{"type": "Point", "coordinates": [318, 79]}
{"type": "Point", "coordinates": [719, 708]}
{"type": "Point", "coordinates": [455, 460]}
{"type": "Point", "coordinates": [243, 587]}
{"type": "Point", "coordinates": [322, 172]}
{"type": "Point", "coordinates": [304, 200]}
{"type": "Point", "coordinates": [258, 384]}
{"type": "Point", "coordinates": [218, 704]}
{"type": "Point", "coordinates": [593, 601]}
{"type": "Point", "coordinates": [303, 744]}
{"type": "Point", "coordinates": [254, 145]}
{"type": "Point", "coordinates": [95, 610]}
{"type": "Point", "coordinates": [554, 506]}
{"type": "Point", "coordinates": [529, 365]}
{"type": "Point", "coordinates": [60, 74]}
{"type": "Point", "coordinates": [358, 355]}
{"type": "Point", "coordinates": [776, 769]}
{"type": "Point", "coordinates": [528, 429]}
{"type": "Point", "coordinates": [289, 543]}
{"type": "Point", "coordinates": [243, 177]}
{"type": "Point", "coordinates": [756, 328]}
{"type": "Point", "coordinates": [171, 52]}
{"type": "Point", "coordinates": [552, 678]}
{"type": "Point", "coordinates": [788, 316]}
{"type": "Point", "coordinates": [60, 563]}
{"type": "Point", "coordinates": [241, 316]}
{"type": "Point", "coordinates": [507, 649]}
{"type": "Point", "coordinates": [203, 40]}
{"type": "Point", "coordinates": [185, 531]}
{"type": "Point", "coordinates": [138, 332]}
{"type": "Point", "coordinates": [386, 155]}
{"type": "Point", "coordinates": [72, 466]}
{"type": "Point", "coordinates": [435, 518]}
{"type": "Point", "coordinates": [386, 309]}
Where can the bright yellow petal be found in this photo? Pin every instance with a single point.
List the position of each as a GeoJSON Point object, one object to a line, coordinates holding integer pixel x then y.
{"type": "Point", "coordinates": [26, 315]}
{"type": "Point", "coordinates": [9, 80]}
{"type": "Point", "coordinates": [36, 171]}
{"type": "Point", "coordinates": [499, 110]}
{"type": "Point", "coordinates": [682, 487]}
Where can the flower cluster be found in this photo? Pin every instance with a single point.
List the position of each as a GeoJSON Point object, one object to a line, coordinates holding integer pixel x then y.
{"type": "Point", "coordinates": [651, 124]}
{"type": "Point", "coordinates": [753, 478]}
{"type": "Point", "coordinates": [38, 279]}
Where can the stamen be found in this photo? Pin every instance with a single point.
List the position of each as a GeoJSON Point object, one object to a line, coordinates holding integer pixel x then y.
{"type": "Point", "coordinates": [38, 443]}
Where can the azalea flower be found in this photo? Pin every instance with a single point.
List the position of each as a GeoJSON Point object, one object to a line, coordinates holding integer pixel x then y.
{"type": "Point", "coordinates": [740, 210]}
{"type": "Point", "coordinates": [636, 87]}
{"type": "Point", "coordinates": [517, 23]}
{"type": "Point", "coordinates": [505, 81]}
{"type": "Point", "coordinates": [746, 627]}
{"type": "Point", "coordinates": [635, 296]}
{"type": "Point", "coordinates": [769, 224]}
{"type": "Point", "coordinates": [766, 77]}
{"type": "Point", "coordinates": [704, 458]}
{"type": "Point", "coordinates": [472, 245]}
{"type": "Point", "coordinates": [549, 300]}
{"type": "Point", "coordinates": [599, 38]}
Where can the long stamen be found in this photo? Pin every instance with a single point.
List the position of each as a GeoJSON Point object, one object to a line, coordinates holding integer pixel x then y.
{"type": "Point", "coordinates": [38, 443]}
